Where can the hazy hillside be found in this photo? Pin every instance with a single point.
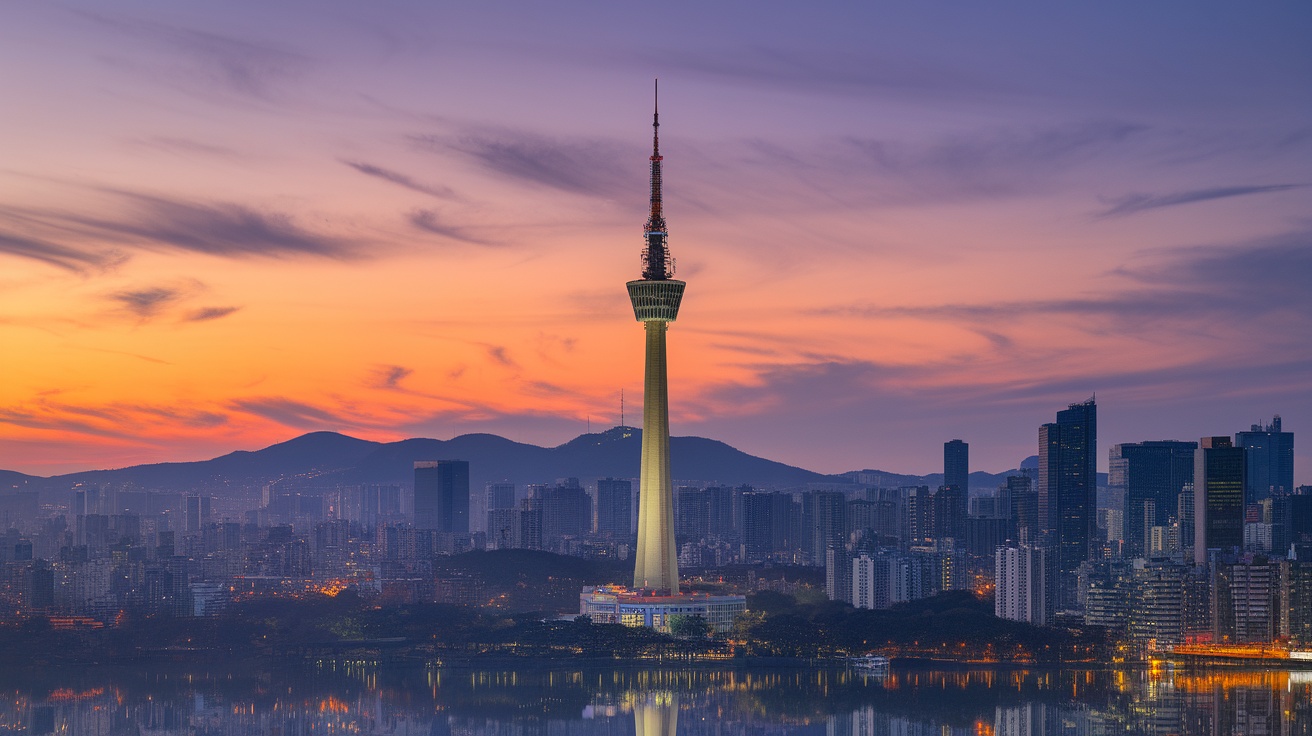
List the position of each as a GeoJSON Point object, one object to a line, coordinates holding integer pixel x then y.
{"type": "Point", "coordinates": [10, 480]}
{"type": "Point", "coordinates": [327, 459]}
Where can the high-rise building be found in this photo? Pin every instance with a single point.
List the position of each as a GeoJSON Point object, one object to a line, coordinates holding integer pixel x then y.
{"type": "Point", "coordinates": [879, 581]}
{"type": "Point", "coordinates": [198, 512]}
{"type": "Point", "coordinates": [566, 512]}
{"type": "Point", "coordinates": [496, 497]}
{"type": "Point", "coordinates": [1021, 577]}
{"type": "Point", "coordinates": [720, 499]}
{"type": "Point", "coordinates": [766, 524]}
{"type": "Point", "coordinates": [1245, 601]}
{"type": "Point", "coordinates": [615, 507]}
{"type": "Point", "coordinates": [950, 513]}
{"type": "Point", "coordinates": [1296, 601]}
{"type": "Point", "coordinates": [919, 526]}
{"type": "Point", "coordinates": [442, 496]}
{"type": "Point", "coordinates": [1219, 473]}
{"type": "Point", "coordinates": [1068, 484]}
{"type": "Point", "coordinates": [956, 465]}
{"type": "Point", "coordinates": [692, 513]}
{"type": "Point", "coordinates": [1151, 475]}
{"type": "Point", "coordinates": [829, 522]}
{"type": "Point", "coordinates": [838, 573]}
{"type": "Point", "coordinates": [1157, 605]}
{"type": "Point", "coordinates": [504, 528]}
{"type": "Point", "coordinates": [500, 496]}
{"type": "Point", "coordinates": [1023, 505]}
{"type": "Point", "coordinates": [1270, 452]}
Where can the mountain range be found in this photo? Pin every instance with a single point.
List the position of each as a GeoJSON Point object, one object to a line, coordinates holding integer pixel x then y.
{"type": "Point", "coordinates": [322, 459]}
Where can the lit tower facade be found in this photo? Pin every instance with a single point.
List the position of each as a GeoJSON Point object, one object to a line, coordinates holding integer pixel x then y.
{"type": "Point", "coordinates": [656, 299]}
{"type": "Point", "coordinates": [655, 600]}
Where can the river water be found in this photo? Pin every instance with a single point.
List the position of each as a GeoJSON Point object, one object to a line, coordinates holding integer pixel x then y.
{"type": "Point", "coordinates": [369, 698]}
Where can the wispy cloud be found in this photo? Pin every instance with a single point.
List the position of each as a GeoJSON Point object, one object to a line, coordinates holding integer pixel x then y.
{"type": "Point", "coordinates": [119, 420]}
{"type": "Point", "coordinates": [246, 68]}
{"type": "Point", "coordinates": [207, 314]}
{"type": "Point", "coordinates": [501, 356]}
{"type": "Point", "coordinates": [1133, 203]}
{"type": "Point", "coordinates": [292, 413]}
{"type": "Point", "coordinates": [225, 229]}
{"type": "Point", "coordinates": [55, 254]}
{"type": "Point", "coordinates": [389, 377]}
{"type": "Point", "coordinates": [400, 180]}
{"type": "Point", "coordinates": [577, 165]}
{"type": "Point", "coordinates": [431, 222]}
{"type": "Point", "coordinates": [146, 303]}
{"type": "Point", "coordinates": [1221, 284]}
{"type": "Point", "coordinates": [65, 238]}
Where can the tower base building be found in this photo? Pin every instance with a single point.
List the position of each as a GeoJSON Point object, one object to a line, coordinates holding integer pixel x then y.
{"type": "Point", "coordinates": [615, 604]}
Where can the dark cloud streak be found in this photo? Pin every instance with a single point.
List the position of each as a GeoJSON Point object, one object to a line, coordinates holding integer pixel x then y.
{"type": "Point", "coordinates": [1133, 203]}
{"type": "Point", "coordinates": [146, 303]}
{"type": "Point", "coordinates": [597, 167]}
{"type": "Point", "coordinates": [54, 254]}
{"type": "Point", "coordinates": [431, 222]}
{"type": "Point", "coordinates": [290, 413]}
{"type": "Point", "coordinates": [400, 179]}
{"type": "Point", "coordinates": [151, 222]}
{"type": "Point", "coordinates": [207, 314]}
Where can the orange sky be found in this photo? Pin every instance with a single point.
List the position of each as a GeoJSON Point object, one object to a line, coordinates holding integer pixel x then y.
{"type": "Point", "coordinates": [220, 228]}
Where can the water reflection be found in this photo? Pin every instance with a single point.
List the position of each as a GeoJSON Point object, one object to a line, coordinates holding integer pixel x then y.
{"type": "Point", "coordinates": [369, 698]}
{"type": "Point", "coordinates": [656, 714]}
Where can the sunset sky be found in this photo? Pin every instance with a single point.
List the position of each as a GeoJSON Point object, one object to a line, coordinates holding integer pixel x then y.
{"type": "Point", "coordinates": [225, 224]}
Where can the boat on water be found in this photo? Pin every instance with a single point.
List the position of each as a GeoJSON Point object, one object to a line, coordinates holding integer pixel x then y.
{"type": "Point", "coordinates": [869, 664]}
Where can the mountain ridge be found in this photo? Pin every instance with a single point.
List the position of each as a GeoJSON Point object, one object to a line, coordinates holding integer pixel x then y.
{"type": "Point", "coordinates": [318, 459]}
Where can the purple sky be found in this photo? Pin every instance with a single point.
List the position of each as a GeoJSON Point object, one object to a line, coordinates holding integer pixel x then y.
{"type": "Point", "coordinates": [223, 224]}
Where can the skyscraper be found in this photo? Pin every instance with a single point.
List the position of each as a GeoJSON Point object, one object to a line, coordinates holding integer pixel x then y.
{"type": "Point", "coordinates": [1270, 454]}
{"type": "Point", "coordinates": [566, 512]}
{"type": "Point", "coordinates": [615, 507]}
{"type": "Point", "coordinates": [951, 501]}
{"type": "Point", "coordinates": [442, 496]}
{"type": "Point", "coordinates": [1068, 483]}
{"type": "Point", "coordinates": [1219, 472]}
{"type": "Point", "coordinates": [829, 522]}
{"type": "Point", "coordinates": [1023, 509]}
{"type": "Point", "coordinates": [1151, 474]}
{"type": "Point", "coordinates": [956, 465]}
{"type": "Point", "coordinates": [656, 298]}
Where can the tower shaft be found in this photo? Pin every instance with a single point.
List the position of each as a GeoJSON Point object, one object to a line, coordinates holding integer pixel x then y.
{"type": "Point", "coordinates": [657, 565]}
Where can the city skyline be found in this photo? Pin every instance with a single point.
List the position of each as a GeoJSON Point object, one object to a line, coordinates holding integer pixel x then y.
{"type": "Point", "coordinates": [222, 229]}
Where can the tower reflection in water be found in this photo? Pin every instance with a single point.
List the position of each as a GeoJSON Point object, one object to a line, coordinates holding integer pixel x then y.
{"type": "Point", "coordinates": [364, 698]}
{"type": "Point", "coordinates": [656, 714]}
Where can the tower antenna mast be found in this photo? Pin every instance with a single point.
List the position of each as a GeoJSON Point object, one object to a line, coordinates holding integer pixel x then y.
{"type": "Point", "coordinates": [657, 265]}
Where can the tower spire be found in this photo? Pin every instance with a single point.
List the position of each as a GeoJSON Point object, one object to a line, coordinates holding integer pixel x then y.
{"type": "Point", "coordinates": [656, 262]}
